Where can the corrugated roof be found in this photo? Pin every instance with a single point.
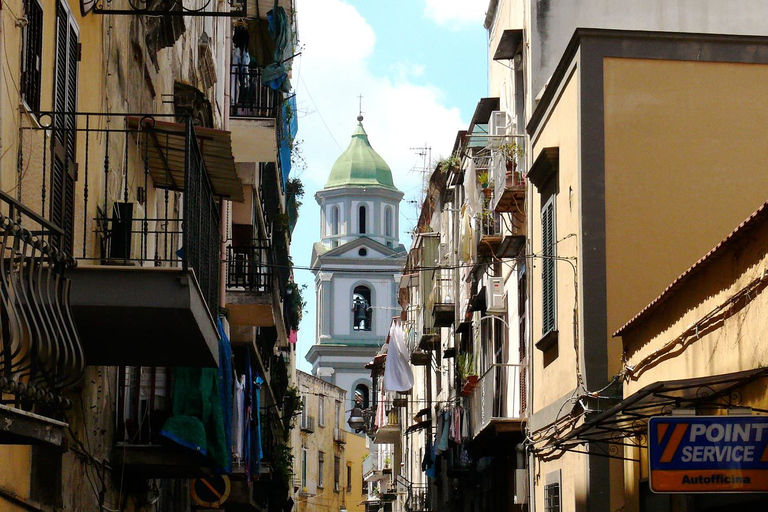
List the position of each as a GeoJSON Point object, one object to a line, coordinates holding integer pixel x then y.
{"type": "Point", "coordinates": [741, 230]}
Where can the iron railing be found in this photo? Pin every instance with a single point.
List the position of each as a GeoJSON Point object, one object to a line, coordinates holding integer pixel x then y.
{"type": "Point", "coordinates": [248, 267]}
{"type": "Point", "coordinates": [136, 153]}
{"type": "Point", "coordinates": [40, 351]}
{"type": "Point", "coordinates": [443, 286]}
{"type": "Point", "coordinates": [418, 498]}
{"type": "Point", "coordinates": [307, 423]}
{"type": "Point", "coordinates": [249, 98]}
{"type": "Point", "coordinates": [497, 396]}
{"type": "Point", "coordinates": [340, 435]}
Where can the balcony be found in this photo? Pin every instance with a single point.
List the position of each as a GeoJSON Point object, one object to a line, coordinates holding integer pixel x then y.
{"type": "Point", "coordinates": [418, 498]}
{"type": "Point", "coordinates": [372, 470]}
{"type": "Point", "coordinates": [489, 235]}
{"type": "Point", "coordinates": [153, 289]}
{"type": "Point", "coordinates": [496, 403]}
{"type": "Point", "coordinates": [389, 433]}
{"type": "Point", "coordinates": [339, 435]}
{"type": "Point", "coordinates": [40, 352]}
{"type": "Point", "coordinates": [430, 339]}
{"type": "Point", "coordinates": [508, 174]}
{"type": "Point", "coordinates": [249, 98]}
{"type": "Point", "coordinates": [307, 424]}
{"type": "Point", "coordinates": [144, 402]}
{"type": "Point", "coordinates": [249, 296]}
{"type": "Point", "coordinates": [444, 308]}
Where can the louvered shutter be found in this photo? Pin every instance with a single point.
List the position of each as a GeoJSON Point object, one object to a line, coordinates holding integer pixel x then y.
{"type": "Point", "coordinates": [548, 266]}
{"type": "Point", "coordinates": [65, 103]}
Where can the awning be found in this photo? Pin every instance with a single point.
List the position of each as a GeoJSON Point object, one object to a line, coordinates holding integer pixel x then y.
{"type": "Point", "coordinates": [508, 44]}
{"type": "Point", "coordinates": [418, 426]}
{"type": "Point", "coordinates": [626, 421]}
{"type": "Point", "coordinates": [166, 157]}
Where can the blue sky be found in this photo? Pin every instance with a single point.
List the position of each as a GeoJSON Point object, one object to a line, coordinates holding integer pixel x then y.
{"type": "Point", "coordinates": [421, 66]}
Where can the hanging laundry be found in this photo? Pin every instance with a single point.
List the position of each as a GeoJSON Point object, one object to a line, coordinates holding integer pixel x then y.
{"type": "Point", "coordinates": [381, 414]}
{"type": "Point", "coordinates": [443, 442]}
{"type": "Point", "coordinates": [238, 421]}
{"type": "Point", "coordinates": [398, 375]}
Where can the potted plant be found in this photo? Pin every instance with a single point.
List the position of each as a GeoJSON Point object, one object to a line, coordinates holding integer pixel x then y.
{"type": "Point", "coordinates": [483, 179]}
{"type": "Point", "coordinates": [512, 153]}
{"type": "Point", "coordinates": [387, 465]}
{"type": "Point", "coordinates": [466, 369]}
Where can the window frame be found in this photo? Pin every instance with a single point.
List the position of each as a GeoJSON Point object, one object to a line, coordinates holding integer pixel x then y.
{"type": "Point", "coordinates": [362, 219]}
{"type": "Point", "coordinates": [388, 224]}
{"type": "Point", "coordinates": [30, 87]}
{"type": "Point", "coordinates": [548, 267]}
{"type": "Point", "coordinates": [335, 220]}
{"type": "Point", "coordinates": [320, 468]}
{"type": "Point", "coordinates": [336, 473]}
{"type": "Point", "coordinates": [321, 410]}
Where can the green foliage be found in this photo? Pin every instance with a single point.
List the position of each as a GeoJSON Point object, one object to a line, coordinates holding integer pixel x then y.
{"type": "Point", "coordinates": [511, 151]}
{"type": "Point", "coordinates": [282, 463]}
{"type": "Point", "coordinates": [483, 179]}
{"type": "Point", "coordinates": [452, 162]}
{"type": "Point", "coordinates": [466, 365]}
{"type": "Point", "coordinates": [296, 303]}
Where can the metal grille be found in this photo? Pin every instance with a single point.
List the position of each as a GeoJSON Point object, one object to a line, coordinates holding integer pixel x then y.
{"type": "Point", "coordinates": [31, 62]}
{"type": "Point", "coordinates": [249, 98]}
{"type": "Point", "coordinates": [552, 497]}
{"type": "Point", "coordinates": [248, 267]}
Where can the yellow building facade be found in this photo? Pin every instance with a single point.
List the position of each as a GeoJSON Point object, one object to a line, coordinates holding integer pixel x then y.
{"type": "Point", "coordinates": [632, 184]}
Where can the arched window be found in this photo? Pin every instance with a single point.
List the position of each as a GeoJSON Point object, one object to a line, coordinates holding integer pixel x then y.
{"type": "Point", "coordinates": [388, 222]}
{"type": "Point", "coordinates": [362, 396]}
{"type": "Point", "coordinates": [335, 220]}
{"type": "Point", "coordinates": [361, 309]}
{"type": "Point", "coordinates": [361, 219]}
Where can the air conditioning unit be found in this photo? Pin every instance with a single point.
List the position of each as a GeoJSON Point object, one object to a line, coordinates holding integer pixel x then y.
{"type": "Point", "coordinates": [494, 295]}
{"type": "Point", "coordinates": [499, 123]}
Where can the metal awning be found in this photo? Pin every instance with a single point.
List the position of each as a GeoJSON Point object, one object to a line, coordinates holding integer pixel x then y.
{"type": "Point", "coordinates": [167, 145]}
{"type": "Point", "coordinates": [626, 422]}
{"type": "Point", "coordinates": [508, 44]}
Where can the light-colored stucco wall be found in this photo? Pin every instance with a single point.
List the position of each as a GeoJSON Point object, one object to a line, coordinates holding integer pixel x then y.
{"type": "Point", "coordinates": [731, 342]}
{"type": "Point", "coordinates": [561, 131]}
{"type": "Point", "coordinates": [684, 153]}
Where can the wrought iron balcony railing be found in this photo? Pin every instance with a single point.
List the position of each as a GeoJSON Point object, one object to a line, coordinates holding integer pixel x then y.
{"type": "Point", "coordinates": [248, 97]}
{"type": "Point", "coordinates": [142, 158]}
{"type": "Point", "coordinates": [307, 423]}
{"type": "Point", "coordinates": [418, 498]}
{"type": "Point", "coordinates": [248, 267]}
{"type": "Point", "coordinates": [498, 396]}
{"type": "Point", "coordinates": [40, 350]}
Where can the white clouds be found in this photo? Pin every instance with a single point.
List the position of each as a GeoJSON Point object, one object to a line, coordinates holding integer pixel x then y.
{"type": "Point", "coordinates": [332, 71]}
{"type": "Point", "coordinates": [448, 12]}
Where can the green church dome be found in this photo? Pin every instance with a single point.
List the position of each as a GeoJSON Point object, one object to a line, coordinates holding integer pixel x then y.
{"type": "Point", "coordinates": [360, 165]}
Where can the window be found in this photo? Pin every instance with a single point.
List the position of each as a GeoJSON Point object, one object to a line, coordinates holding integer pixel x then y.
{"type": "Point", "coordinates": [361, 308]}
{"type": "Point", "coordinates": [363, 252]}
{"type": "Point", "coordinates": [388, 222]}
{"type": "Point", "coordinates": [335, 220]}
{"type": "Point", "coordinates": [304, 469]}
{"type": "Point", "coordinates": [64, 100]}
{"type": "Point", "coordinates": [320, 468]}
{"type": "Point", "coordinates": [337, 415]}
{"type": "Point", "coordinates": [548, 265]}
{"type": "Point", "coordinates": [349, 478]}
{"type": "Point", "coordinates": [32, 55]}
{"type": "Point", "coordinates": [552, 497]}
{"type": "Point", "coordinates": [336, 473]}
{"type": "Point", "coordinates": [304, 411]}
{"type": "Point", "coordinates": [321, 410]}
{"type": "Point", "coordinates": [362, 395]}
{"type": "Point", "coordinates": [361, 219]}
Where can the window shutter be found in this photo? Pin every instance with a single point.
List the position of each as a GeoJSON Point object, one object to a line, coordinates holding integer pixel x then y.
{"type": "Point", "coordinates": [548, 266]}
{"type": "Point", "coordinates": [65, 101]}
